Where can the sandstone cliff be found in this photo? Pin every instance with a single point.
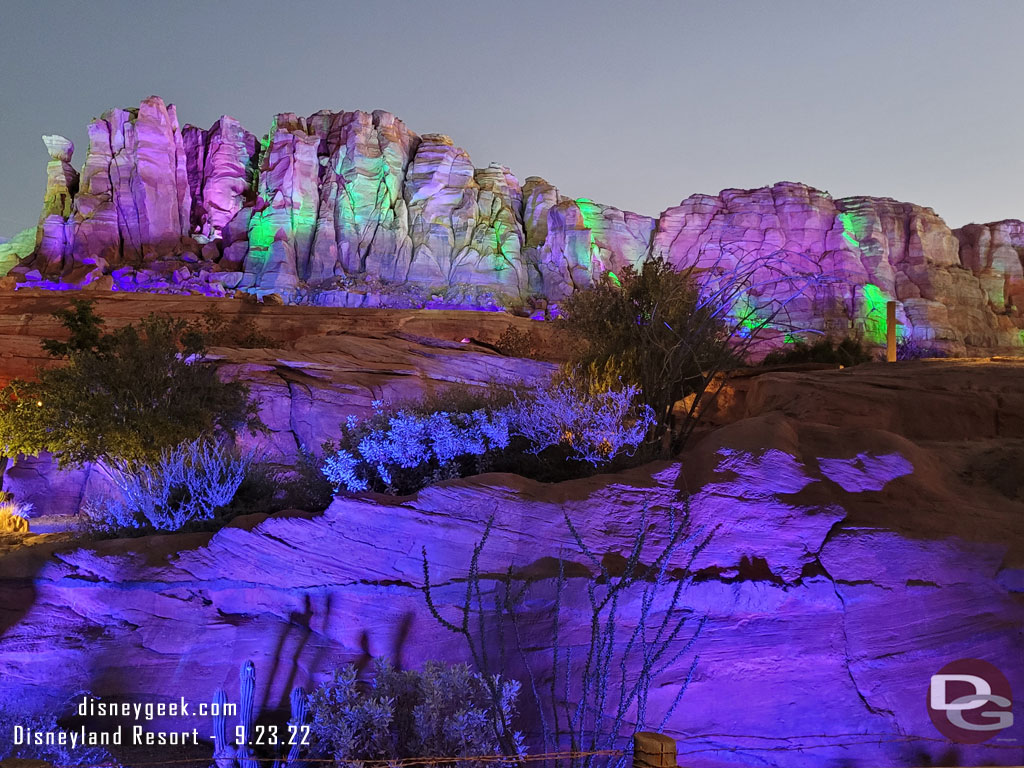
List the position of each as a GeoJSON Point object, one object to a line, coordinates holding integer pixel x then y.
{"type": "Point", "coordinates": [355, 209]}
{"type": "Point", "coordinates": [867, 529]}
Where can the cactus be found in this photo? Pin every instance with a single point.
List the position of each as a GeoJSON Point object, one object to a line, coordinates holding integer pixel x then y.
{"type": "Point", "coordinates": [300, 709]}
{"type": "Point", "coordinates": [246, 707]}
{"type": "Point", "coordinates": [223, 754]}
{"type": "Point", "coordinates": [227, 755]}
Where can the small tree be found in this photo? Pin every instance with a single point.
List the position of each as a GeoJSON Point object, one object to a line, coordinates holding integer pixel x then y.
{"type": "Point", "coordinates": [672, 332]}
{"type": "Point", "coordinates": [125, 395]}
{"type": "Point", "coordinates": [654, 328]}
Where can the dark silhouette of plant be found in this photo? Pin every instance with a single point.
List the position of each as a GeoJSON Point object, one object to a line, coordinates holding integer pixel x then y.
{"type": "Point", "coordinates": [826, 350]}
{"type": "Point", "coordinates": [127, 394]}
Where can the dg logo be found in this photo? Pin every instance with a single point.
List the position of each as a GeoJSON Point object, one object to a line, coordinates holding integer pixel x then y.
{"type": "Point", "coordinates": [969, 701]}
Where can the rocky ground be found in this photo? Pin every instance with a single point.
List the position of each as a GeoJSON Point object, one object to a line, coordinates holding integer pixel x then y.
{"type": "Point", "coordinates": [866, 527]}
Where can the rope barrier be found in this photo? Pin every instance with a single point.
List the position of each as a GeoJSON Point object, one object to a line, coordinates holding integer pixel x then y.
{"type": "Point", "coordinates": [397, 763]}
{"type": "Point", "coordinates": [855, 739]}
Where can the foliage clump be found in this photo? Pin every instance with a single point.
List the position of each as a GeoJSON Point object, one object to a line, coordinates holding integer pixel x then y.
{"type": "Point", "coordinates": [909, 348]}
{"type": "Point", "coordinates": [125, 395]}
{"type": "Point", "coordinates": [655, 328]}
{"type": "Point", "coordinates": [13, 514]}
{"type": "Point", "coordinates": [514, 342]}
{"type": "Point", "coordinates": [190, 483]}
{"type": "Point", "coordinates": [547, 433]}
{"type": "Point", "coordinates": [825, 350]}
{"type": "Point", "coordinates": [445, 710]}
{"type": "Point", "coordinates": [201, 486]}
{"type": "Point", "coordinates": [215, 330]}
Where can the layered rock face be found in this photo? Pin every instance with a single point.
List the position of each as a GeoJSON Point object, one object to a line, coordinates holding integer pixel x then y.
{"type": "Point", "coordinates": [995, 253]}
{"type": "Point", "coordinates": [354, 209]}
{"type": "Point", "coordinates": [848, 561]}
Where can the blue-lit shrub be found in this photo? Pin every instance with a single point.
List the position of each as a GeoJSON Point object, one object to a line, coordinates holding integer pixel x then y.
{"type": "Point", "coordinates": [546, 433]}
{"type": "Point", "coordinates": [593, 428]}
{"type": "Point", "coordinates": [189, 484]}
{"type": "Point", "coordinates": [445, 710]}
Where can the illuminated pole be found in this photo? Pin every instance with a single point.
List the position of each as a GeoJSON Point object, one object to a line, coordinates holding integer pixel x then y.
{"type": "Point", "coordinates": [890, 332]}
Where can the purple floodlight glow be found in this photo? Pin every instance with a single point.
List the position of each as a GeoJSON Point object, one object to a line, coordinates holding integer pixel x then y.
{"type": "Point", "coordinates": [865, 472]}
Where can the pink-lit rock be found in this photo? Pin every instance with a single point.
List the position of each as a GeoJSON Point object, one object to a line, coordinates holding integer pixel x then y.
{"type": "Point", "coordinates": [995, 254]}
{"type": "Point", "coordinates": [817, 255]}
{"type": "Point", "coordinates": [362, 224]}
{"type": "Point", "coordinates": [353, 208]}
{"type": "Point", "coordinates": [220, 172]}
{"type": "Point", "coordinates": [585, 239]}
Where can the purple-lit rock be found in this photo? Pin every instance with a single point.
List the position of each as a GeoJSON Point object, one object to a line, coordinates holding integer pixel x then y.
{"type": "Point", "coordinates": [284, 218]}
{"type": "Point", "coordinates": [995, 254]}
{"type": "Point", "coordinates": [821, 623]}
{"type": "Point", "coordinates": [220, 173]}
{"type": "Point", "coordinates": [362, 225]}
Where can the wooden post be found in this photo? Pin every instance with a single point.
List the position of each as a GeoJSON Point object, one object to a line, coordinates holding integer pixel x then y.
{"type": "Point", "coordinates": [653, 750]}
{"type": "Point", "coordinates": [890, 332]}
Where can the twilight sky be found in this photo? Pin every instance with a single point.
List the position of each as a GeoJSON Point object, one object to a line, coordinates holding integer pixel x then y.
{"type": "Point", "coordinates": [635, 104]}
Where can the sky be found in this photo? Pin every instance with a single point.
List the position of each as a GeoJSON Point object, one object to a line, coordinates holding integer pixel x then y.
{"type": "Point", "coordinates": [634, 104]}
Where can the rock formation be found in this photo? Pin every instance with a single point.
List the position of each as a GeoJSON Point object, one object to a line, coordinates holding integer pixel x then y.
{"type": "Point", "coordinates": [853, 552]}
{"type": "Point", "coordinates": [995, 254]}
{"type": "Point", "coordinates": [18, 247]}
{"type": "Point", "coordinates": [354, 209]}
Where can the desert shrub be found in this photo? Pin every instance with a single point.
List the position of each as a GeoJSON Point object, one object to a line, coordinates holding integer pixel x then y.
{"type": "Point", "coordinates": [202, 486]}
{"type": "Point", "coordinates": [269, 487]}
{"type": "Point", "coordinates": [55, 754]}
{"type": "Point", "coordinates": [516, 343]}
{"type": "Point", "coordinates": [13, 514]}
{"type": "Point", "coordinates": [656, 329]}
{"type": "Point", "coordinates": [126, 395]}
{"type": "Point", "coordinates": [215, 330]}
{"type": "Point", "coordinates": [592, 427]}
{"type": "Point", "coordinates": [402, 451]}
{"type": "Point", "coordinates": [190, 484]}
{"type": "Point", "coordinates": [445, 710]}
{"type": "Point", "coordinates": [825, 350]}
{"type": "Point", "coordinates": [909, 348]}
{"type": "Point", "coordinates": [547, 433]}
{"type": "Point", "coordinates": [302, 485]}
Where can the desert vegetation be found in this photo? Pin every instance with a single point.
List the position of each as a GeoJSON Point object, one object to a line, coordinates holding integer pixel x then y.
{"type": "Point", "coordinates": [146, 404]}
{"type": "Point", "coordinates": [123, 396]}
{"type": "Point", "coordinates": [596, 689]}
{"type": "Point", "coordinates": [550, 433]}
{"type": "Point", "coordinates": [825, 350]}
{"type": "Point", "coordinates": [444, 710]}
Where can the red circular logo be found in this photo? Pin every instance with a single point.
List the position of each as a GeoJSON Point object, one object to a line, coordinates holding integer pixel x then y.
{"type": "Point", "coordinates": [969, 701]}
